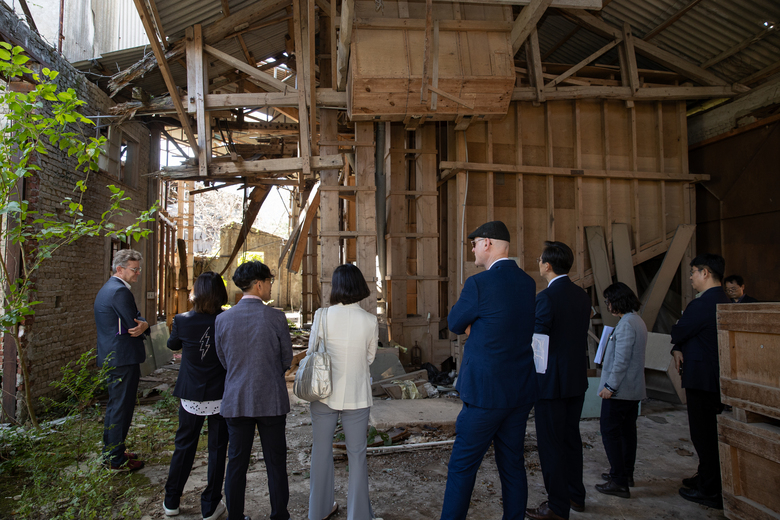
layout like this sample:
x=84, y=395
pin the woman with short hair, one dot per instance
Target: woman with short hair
x=622, y=387
x=200, y=385
x=352, y=335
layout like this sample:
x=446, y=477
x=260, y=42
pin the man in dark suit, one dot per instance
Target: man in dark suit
x=120, y=345
x=253, y=344
x=497, y=380
x=695, y=339
x=563, y=314
x=735, y=288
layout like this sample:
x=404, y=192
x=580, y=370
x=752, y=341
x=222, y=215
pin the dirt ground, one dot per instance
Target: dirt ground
x=410, y=485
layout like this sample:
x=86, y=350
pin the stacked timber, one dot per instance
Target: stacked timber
x=749, y=342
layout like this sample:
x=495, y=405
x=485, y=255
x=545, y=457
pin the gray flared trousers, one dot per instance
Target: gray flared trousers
x=321, y=495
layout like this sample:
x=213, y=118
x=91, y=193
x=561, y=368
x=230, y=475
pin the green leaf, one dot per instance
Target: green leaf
x=20, y=59
x=4, y=54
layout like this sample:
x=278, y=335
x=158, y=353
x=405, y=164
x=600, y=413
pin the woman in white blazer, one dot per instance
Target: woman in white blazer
x=622, y=386
x=351, y=341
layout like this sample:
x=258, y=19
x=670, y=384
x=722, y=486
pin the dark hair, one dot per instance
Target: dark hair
x=734, y=278
x=248, y=272
x=559, y=256
x=621, y=298
x=209, y=293
x=348, y=285
x=714, y=264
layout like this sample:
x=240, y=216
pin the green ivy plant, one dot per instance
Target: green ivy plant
x=41, y=118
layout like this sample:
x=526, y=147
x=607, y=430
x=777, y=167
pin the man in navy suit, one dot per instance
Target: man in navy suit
x=563, y=314
x=497, y=380
x=120, y=345
x=695, y=339
x=735, y=288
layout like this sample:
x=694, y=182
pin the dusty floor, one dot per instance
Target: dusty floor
x=410, y=485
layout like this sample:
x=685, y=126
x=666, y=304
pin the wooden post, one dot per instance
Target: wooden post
x=329, y=204
x=365, y=168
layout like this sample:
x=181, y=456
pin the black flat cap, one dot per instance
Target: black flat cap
x=495, y=229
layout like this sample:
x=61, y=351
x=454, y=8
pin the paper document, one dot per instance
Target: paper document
x=599, y=359
x=541, y=346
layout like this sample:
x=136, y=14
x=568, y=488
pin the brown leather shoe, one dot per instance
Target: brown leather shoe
x=543, y=512
x=580, y=508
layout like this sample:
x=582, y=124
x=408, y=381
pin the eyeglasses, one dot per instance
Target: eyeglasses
x=474, y=242
x=136, y=270
x=697, y=270
x=270, y=280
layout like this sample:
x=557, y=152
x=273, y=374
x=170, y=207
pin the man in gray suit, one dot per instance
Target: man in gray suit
x=253, y=344
x=120, y=345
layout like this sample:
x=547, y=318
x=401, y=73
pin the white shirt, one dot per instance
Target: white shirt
x=559, y=276
x=124, y=282
x=351, y=342
x=496, y=261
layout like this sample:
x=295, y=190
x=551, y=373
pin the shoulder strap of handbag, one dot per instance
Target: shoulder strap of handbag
x=324, y=325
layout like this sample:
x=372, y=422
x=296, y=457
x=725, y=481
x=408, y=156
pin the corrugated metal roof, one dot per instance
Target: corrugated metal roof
x=707, y=30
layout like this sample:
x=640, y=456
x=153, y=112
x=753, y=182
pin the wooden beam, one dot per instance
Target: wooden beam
x=660, y=56
x=197, y=79
x=669, y=21
x=427, y=45
x=761, y=74
x=166, y=74
x=418, y=24
x=345, y=40
x=602, y=276
x=653, y=297
x=451, y=97
x=621, y=252
x=301, y=231
x=263, y=77
x=435, y=78
x=266, y=168
x=582, y=63
x=750, y=40
x=240, y=39
x=325, y=98
x=624, y=93
x=28, y=15
x=301, y=56
x=526, y=22
x=450, y=168
x=254, y=12
x=309, y=76
x=158, y=22
x=534, y=60
x=631, y=68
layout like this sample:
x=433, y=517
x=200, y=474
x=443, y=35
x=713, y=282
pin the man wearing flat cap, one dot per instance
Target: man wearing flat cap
x=497, y=380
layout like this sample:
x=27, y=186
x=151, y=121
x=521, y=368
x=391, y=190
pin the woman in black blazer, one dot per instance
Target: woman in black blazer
x=200, y=385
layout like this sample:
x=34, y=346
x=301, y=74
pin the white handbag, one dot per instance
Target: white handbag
x=313, y=379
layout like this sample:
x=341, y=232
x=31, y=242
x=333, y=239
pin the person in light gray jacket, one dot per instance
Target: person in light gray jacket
x=622, y=387
x=253, y=344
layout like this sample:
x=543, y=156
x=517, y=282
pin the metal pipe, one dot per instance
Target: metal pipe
x=381, y=204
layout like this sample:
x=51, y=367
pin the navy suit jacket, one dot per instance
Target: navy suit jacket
x=498, y=362
x=696, y=336
x=563, y=313
x=115, y=302
x=253, y=344
x=201, y=376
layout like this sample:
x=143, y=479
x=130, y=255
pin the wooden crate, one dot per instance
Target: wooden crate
x=474, y=63
x=750, y=468
x=749, y=343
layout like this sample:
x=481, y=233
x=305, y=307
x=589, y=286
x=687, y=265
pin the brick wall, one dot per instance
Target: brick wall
x=63, y=326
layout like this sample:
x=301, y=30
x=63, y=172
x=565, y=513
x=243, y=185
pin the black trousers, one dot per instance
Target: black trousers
x=703, y=410
x=186, y=443
x=274, y=444
x=560, y=451
x=618, y=433
x=122, y=390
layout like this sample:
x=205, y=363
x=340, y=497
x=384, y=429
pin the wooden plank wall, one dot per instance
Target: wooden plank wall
x=601, y=135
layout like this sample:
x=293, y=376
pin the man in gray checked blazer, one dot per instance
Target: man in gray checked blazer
x=253, y=344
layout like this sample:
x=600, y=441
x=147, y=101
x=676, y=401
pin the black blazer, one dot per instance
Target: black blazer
x=563, y=313
x=696, y=336
x=115, y=302
x=201, y=376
